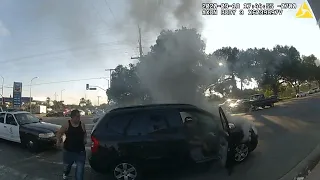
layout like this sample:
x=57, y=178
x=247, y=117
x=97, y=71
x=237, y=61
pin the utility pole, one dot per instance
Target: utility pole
x=140, y=45
x=98, y=100
x=55, y=96
x=2, y=101
x=30, y=92
x=110, y=73
x=61, y=94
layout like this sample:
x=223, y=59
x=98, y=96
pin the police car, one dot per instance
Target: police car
x=25, y=128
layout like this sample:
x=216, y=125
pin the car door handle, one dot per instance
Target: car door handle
x=5, y=126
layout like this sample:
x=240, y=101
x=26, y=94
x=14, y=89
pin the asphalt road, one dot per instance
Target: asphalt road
x=287, y=133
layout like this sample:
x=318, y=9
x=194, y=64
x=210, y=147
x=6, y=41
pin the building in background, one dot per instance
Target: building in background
x=23, y=100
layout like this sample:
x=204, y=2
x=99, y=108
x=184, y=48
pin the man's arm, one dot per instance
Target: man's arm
x=85, y=133
x=61, y=132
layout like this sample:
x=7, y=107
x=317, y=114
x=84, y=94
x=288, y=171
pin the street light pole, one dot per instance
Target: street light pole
x=2, y=89
x=61, y=94
x=98, y=100
x=30, y=92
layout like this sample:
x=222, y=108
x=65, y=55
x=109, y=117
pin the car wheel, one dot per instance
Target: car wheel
x=241, y=152
x=31, y=145
x=125, y=171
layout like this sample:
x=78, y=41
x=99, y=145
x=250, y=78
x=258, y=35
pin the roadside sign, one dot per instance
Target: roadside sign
x=17, y=89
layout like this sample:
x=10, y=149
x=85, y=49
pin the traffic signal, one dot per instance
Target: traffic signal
x=87, y=87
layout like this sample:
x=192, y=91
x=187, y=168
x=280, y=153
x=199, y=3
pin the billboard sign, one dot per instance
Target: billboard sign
x=17, y=89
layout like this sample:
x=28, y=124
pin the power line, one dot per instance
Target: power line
x=74, y=80
x=59, y=52
x=109, y=9
x=69, y=50
x=56, y=82
x=98, y=14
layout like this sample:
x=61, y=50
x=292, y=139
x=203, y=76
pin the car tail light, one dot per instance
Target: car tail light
x=94, y=145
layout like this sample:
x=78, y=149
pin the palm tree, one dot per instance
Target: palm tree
x=82, y=102
x=48, y=100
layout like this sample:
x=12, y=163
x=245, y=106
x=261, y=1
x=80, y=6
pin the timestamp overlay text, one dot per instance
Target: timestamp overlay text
x=250, y=9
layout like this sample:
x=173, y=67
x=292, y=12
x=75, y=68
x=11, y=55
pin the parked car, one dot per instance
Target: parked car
x=127, y=141
x=301, y=94
x=82, y=113
x=259, y=100
x=314, y=90
x=54, y=114
x=311, y=91
x=25, y=128
x=66, y=113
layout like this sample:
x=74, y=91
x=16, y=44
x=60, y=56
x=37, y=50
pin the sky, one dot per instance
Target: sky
x=68, y=44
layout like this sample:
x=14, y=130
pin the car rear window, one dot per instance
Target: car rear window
x=116, y=124
x=139, y=125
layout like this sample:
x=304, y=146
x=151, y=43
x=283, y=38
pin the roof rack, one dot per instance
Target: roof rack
x=150, y=106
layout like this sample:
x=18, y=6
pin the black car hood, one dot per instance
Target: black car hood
x=42, y=127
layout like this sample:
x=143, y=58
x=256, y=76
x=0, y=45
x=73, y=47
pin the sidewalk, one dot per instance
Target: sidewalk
x=315, y=173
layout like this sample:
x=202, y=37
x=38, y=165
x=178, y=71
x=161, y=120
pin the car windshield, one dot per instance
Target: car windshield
x=26, y=118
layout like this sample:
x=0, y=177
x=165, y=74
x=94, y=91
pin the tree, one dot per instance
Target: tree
x=310, y=69
x=125, y=88
x=82, y=102
x=291, y=69
x=229, y=56
x=48, y=100
x=58, y=105
x=244, y=66
x=267, y=68
x=317, y=75
x=176, y=69
x=88, y=103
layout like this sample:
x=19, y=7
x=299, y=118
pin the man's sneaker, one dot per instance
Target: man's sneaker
x=64, y=177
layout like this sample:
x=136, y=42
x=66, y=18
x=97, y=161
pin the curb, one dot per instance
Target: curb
x=303, y=168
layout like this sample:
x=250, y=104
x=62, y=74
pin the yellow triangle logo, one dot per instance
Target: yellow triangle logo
x=304, y=11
